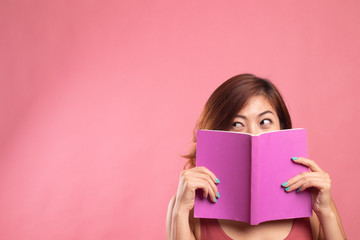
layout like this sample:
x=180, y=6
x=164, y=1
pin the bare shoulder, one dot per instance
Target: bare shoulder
x=170, y=208
x=172, y=203
x=169, y=216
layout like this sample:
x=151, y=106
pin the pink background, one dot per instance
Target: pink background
x=99, y=98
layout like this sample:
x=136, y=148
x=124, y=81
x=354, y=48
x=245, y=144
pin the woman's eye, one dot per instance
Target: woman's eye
x=238, y=124
x=265, y=122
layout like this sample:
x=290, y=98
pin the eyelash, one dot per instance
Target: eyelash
x=264, y=120
x=261, y=123
x=234, y=124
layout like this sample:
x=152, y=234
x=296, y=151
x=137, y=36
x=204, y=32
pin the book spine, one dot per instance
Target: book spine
x=255, y=175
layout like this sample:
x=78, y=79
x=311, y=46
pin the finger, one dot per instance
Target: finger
x=304, y=175
x=205, y=192
x=308, y=178
x=195, y=180
x=305, y=183
x=203, y=169
x=205, y=186
x=321, y=184
x=307, y=162
x=207, y=178
x=206, y=175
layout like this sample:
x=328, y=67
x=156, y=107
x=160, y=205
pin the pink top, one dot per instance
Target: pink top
x=210, y=229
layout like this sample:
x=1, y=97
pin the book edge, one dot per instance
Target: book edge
x=254, y=135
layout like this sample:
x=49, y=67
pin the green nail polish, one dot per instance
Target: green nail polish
x=294, y=158
x=218, y=195
x=287, y=188
x=284, y=184
x=215, y=200
x=217, y=180
x=298, y=189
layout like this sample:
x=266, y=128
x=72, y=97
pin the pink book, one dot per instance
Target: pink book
x=251, y=169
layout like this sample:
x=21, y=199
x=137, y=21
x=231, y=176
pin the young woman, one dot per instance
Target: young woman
x=247, y=103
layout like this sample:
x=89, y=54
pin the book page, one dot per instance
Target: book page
x=227, y=155
x=275, y=152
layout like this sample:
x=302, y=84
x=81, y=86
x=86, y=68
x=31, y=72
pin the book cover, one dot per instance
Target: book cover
x=251, y=169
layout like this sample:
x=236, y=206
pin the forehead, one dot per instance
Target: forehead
x=256, y=105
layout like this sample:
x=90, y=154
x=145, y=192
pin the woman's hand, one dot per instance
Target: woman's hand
x=179, y=222
x=322, y=204
x=316, y=179
x=192, y=179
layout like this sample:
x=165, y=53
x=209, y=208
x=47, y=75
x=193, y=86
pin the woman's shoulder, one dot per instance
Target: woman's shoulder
x=172, y=202
x=169, y=216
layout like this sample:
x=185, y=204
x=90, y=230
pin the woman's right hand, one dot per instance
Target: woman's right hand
x=192, y=179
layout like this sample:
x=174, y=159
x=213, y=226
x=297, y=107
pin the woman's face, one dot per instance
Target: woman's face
x=258, y=116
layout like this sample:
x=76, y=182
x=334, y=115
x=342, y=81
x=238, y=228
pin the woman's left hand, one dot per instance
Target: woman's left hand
x=316, y=179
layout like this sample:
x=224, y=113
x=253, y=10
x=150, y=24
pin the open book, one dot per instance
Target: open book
x=251, y=169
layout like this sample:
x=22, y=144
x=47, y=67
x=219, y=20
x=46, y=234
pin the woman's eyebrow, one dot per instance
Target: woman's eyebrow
x=240, y=116
x=263, y=113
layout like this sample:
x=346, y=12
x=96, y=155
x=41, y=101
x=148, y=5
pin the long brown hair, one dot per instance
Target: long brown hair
x=229, y=98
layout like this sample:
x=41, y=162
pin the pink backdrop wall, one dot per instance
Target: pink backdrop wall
x=99, y=98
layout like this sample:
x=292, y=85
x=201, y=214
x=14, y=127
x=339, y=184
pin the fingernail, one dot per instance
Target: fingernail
x=287, y=188
x=215, y=200
x=294, y=158
x=298, y=189
x=284, y=184
x=218, y=195
x=217, y=180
